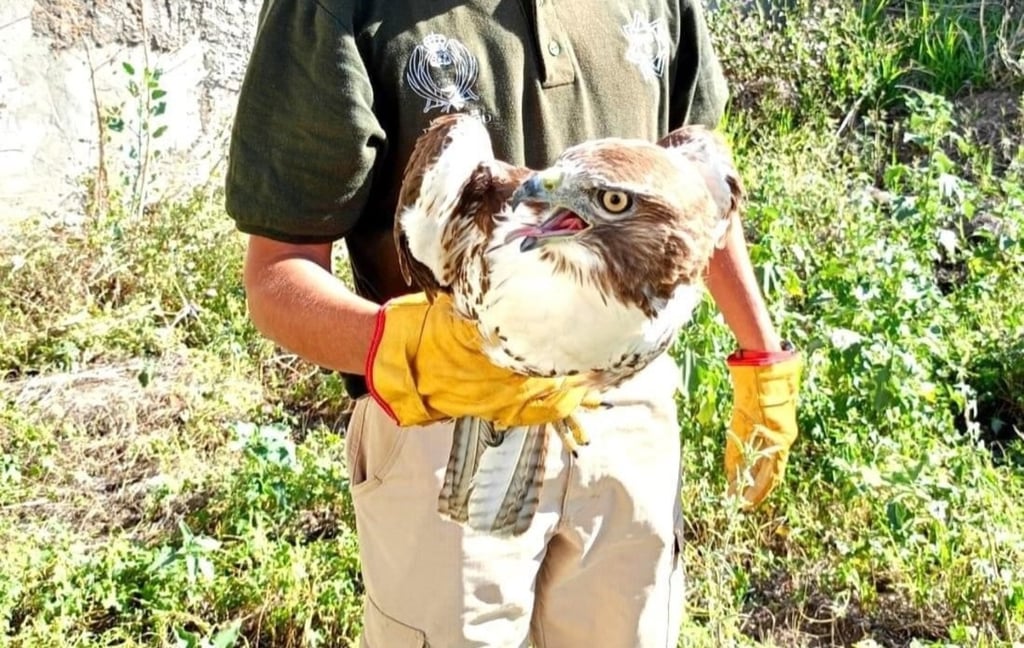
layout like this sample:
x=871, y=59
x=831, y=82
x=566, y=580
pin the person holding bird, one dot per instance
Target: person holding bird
x=335, y=96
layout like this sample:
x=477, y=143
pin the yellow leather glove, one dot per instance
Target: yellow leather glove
x=425, y=364
x=765, y=387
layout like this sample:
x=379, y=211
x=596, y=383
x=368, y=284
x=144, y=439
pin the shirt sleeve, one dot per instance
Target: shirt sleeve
x=305, y=141
x=699, y=91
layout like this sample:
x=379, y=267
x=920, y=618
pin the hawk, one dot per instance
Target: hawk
x=587, y=268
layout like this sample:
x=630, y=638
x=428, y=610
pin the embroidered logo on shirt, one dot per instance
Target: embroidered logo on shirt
x=442, y=71
x=648, y=45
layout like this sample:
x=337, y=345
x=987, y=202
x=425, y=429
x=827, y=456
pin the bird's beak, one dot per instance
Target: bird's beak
x=539, y=187
x=544, y=187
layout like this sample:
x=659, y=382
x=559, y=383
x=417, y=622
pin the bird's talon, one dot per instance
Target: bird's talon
x=572, y=435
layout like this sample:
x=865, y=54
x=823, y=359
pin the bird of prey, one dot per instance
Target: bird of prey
x=587, y=268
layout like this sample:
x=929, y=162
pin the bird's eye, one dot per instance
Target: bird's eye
x=615, y=202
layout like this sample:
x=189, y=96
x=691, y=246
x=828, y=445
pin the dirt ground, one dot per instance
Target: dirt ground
x=996, y=119
x=110, y=435
x=781, y=613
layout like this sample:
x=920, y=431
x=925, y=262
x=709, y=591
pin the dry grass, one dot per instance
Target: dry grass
x=113, y=444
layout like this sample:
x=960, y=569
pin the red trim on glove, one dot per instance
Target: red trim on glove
x=743, y=358
x=378, y=335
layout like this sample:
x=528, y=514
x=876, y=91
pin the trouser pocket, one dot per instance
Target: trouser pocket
x=355, y=462
x=372, y=445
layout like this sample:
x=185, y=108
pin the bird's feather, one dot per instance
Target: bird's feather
x=444, y=162
x=615, y=293
x=493, y=478
x=710, y=152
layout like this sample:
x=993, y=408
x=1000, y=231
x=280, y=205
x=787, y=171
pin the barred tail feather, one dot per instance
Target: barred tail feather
x=494, y=478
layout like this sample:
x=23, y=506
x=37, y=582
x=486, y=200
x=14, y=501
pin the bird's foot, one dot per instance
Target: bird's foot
x=572, y=435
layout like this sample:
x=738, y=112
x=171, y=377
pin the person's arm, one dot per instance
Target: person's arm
x=304, y=148
x=295, y=300
x=765, y=377
x=733, y=286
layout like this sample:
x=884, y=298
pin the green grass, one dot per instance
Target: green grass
x=169, y=478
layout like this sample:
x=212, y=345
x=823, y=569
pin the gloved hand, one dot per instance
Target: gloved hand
x=425, y=364
x=765, y=387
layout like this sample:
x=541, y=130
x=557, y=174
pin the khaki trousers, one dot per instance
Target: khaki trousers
x=598, y=567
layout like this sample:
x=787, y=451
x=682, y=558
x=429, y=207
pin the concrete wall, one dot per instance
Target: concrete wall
x=61, y=70
x=62, y=61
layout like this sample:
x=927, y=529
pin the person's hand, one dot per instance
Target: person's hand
x=425, y=364
x=763, y=425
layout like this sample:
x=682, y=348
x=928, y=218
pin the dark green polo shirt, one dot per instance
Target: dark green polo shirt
x=337, y=91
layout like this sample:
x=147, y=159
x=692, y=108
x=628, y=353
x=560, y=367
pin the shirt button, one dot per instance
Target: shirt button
x=554, y=48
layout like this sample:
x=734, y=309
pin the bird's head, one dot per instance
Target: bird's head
x=639, y=220
x=598, y=189
x=568, y=206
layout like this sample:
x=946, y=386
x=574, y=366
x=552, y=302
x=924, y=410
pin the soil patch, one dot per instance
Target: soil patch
x=786, y=615
x=995, y=119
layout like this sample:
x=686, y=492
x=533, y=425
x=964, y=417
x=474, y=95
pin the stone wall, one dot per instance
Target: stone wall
x=62, y=71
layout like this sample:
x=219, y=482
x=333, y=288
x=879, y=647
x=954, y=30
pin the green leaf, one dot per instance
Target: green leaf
x=185, y=639
x=165, y=557
x=707, y=411
x=160, y=131
x=205, y=566
x=897, y=516
x=128, y=67
x=227, y=637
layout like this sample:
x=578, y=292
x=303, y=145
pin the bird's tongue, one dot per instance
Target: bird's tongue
x=564, y=222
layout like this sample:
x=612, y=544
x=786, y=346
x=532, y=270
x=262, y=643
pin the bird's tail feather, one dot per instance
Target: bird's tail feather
x=494, y=478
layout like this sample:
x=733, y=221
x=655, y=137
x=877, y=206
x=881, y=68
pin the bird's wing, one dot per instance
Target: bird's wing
x=444, y=162
x=710, y=152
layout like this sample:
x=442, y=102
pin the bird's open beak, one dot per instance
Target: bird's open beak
x=543, y=188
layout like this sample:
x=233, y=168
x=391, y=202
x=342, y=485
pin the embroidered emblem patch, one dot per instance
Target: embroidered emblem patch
x=442, y=71
x=648, y=45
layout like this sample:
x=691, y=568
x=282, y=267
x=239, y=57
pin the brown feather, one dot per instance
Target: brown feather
x=681, y=199
x=469, y=227
x=694, y=138
x=428, y=148
x=666, y=241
